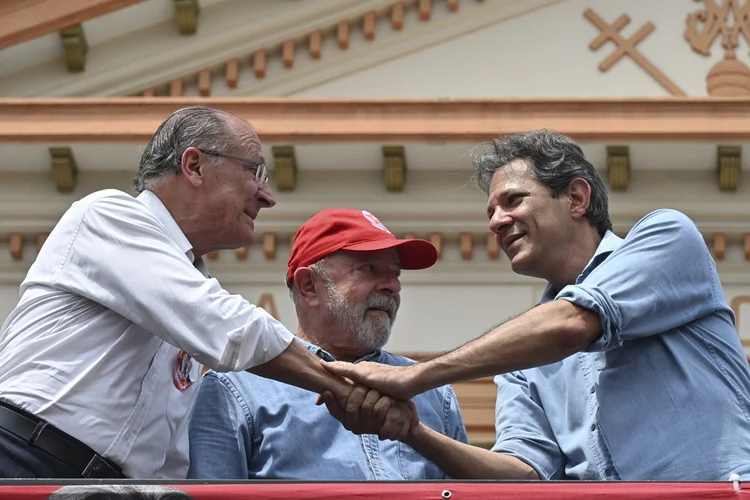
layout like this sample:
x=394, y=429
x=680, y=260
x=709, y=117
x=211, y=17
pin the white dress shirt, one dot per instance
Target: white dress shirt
x=110, y=315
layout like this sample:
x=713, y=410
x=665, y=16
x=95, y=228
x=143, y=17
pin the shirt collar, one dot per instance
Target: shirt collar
x=610, y=242
x=155, y=205
x=326, y=356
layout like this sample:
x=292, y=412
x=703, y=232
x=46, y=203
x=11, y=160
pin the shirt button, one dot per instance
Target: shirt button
x=607, y=472
x=593, y=389
x=593, y=427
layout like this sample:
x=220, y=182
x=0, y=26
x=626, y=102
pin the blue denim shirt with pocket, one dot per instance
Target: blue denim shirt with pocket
x=249, y=427
x=663, y=394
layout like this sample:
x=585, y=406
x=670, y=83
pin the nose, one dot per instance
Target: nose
x=266, y=196
x=500, y=220
x=390, y=285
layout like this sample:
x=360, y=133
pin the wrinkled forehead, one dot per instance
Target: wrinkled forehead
x=246, y=136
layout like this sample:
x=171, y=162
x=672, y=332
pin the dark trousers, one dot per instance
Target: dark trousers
x=18, y=459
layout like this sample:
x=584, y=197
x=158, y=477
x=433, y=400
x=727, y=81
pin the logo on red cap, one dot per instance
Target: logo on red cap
x=375, y=222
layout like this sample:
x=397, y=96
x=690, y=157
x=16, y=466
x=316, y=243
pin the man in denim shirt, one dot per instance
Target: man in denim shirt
x=343, y=276
x=630, y=367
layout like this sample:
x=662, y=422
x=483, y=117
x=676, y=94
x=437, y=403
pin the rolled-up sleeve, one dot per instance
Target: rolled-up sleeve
x=121, y=257
x=662, y=276
x=522, y=428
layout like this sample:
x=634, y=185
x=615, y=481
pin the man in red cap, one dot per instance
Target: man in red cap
x=343, y=277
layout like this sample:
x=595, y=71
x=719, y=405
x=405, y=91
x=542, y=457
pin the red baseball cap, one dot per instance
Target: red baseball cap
x=334, y=229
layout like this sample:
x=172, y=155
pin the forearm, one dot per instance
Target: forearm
x=299, y=367
x=542, y=335
x=463, y=461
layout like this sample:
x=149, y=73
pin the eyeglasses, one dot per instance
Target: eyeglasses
x=261, y=171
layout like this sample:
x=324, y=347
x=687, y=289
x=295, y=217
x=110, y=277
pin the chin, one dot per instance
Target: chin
x=246, y=238
x=521, y=265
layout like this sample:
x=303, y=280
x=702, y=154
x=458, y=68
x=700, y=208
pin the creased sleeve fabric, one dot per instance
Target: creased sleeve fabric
x=169, y=297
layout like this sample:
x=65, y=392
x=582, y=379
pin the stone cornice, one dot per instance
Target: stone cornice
x=328, y=120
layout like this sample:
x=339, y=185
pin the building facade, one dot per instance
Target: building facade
x=376, y=104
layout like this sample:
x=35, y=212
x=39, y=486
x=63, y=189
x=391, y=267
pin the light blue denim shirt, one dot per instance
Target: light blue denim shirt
x=663, y=394
x=249, y=427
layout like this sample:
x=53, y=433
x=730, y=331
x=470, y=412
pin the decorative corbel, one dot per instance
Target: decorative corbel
x=40, y=239
x=285, y=168
x=232, y=72
x=16, y=246
x=720, y=246
x=287, y=53
x=314, y=44
x=397, y=15
x=212, y=255
x=269, y=246
x=425, y=10
x=394, y=168
x=64, y=169
x=267, y=302
x=493, y=249
x=467, y=243
x=437, y=241
x=342, y=35
x=618, y=167
x=187, y=16
x=241, y=253
x=728, y=163
x=368, y=26
x=259, y=63
x=204, y=82
x=75, y=45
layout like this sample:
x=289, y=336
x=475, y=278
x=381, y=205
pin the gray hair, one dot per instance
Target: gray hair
x=555, y=160
x=195, y=126
x=118, y=492
x=322, y=269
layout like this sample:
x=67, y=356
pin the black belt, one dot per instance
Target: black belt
x=64, y=447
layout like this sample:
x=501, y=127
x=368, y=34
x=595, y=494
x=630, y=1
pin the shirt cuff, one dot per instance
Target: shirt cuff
x=597, y=300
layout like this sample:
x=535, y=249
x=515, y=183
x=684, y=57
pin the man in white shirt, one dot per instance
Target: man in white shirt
x=101, y=358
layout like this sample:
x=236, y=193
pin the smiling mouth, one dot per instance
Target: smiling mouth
x=509, y=240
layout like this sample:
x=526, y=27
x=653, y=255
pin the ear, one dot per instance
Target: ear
x=193, y=165
x=308, y=288
x=580, y=197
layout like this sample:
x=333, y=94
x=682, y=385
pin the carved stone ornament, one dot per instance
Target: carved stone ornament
x=730, y=20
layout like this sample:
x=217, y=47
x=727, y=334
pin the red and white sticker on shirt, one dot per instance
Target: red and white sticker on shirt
x=183, y=365
x=375, y=221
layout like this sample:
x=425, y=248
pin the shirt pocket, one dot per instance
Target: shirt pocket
x=613, y=358
x=411, y=464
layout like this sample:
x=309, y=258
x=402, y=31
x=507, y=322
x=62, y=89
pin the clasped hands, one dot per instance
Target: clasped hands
x=377, y=401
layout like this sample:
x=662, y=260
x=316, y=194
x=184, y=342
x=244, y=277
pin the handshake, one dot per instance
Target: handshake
x=373, y=399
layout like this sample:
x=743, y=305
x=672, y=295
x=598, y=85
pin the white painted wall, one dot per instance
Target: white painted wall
x=541, y=54
x=434, y=317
